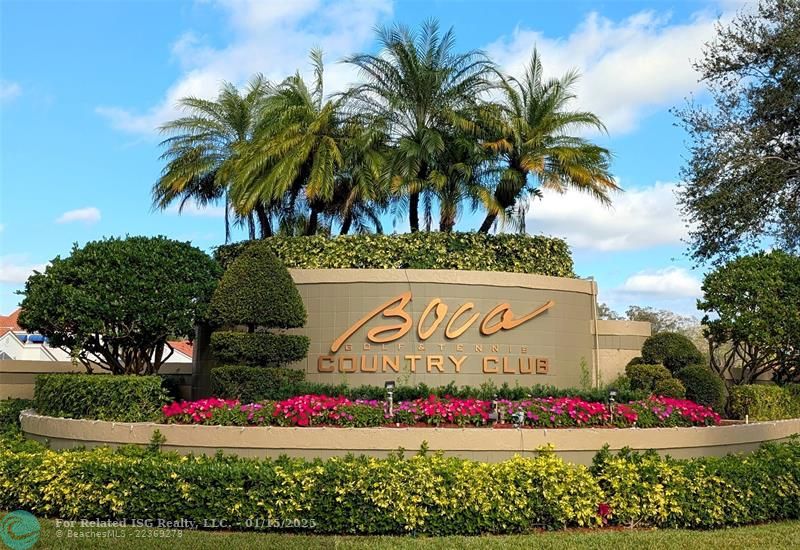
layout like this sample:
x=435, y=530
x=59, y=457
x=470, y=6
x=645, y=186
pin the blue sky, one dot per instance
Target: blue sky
x=85, y=84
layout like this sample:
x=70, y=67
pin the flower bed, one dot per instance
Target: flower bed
x=550, y=412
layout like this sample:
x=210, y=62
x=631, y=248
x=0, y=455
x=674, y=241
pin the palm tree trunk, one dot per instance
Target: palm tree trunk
x=347, y=221
x=413, y=212
x=263, y=221
x=488, y=221
x=313, y=221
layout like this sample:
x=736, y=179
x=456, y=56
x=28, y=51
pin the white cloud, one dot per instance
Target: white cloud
x=638, y=218
x=15, y=268
x=628, y=67
x=88, y=215
x=671, y=282
x=191, y=208
x=9, y=90
x=273, y=38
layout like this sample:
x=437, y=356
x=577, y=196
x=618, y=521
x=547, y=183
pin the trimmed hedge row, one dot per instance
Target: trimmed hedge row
x=765, y=402
x=462, y=251
x=258, y=349
x=251, y=384
x=425, y=494
x=100, y=396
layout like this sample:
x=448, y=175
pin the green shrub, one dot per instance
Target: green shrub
x=99, y=396
x=136, y=292
x=637, y=361
x=764, y=402
x=645, y=377
x=674, y=351
x=427, y=494
x=9, y=413
x=486, y=391
x=670, y=387
x=462, y=251
x=256, y=290
x=258, y=348
x=703, y=386
x=251, y=384
x=644, y=489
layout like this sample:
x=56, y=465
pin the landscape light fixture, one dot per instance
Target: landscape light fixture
x=389, y=386
x=612, y=398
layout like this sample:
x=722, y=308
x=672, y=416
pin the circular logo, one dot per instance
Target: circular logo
x=19, y=530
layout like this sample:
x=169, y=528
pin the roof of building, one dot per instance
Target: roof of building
x=183, y=346
x=10, y=321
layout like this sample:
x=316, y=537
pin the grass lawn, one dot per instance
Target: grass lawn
x=775, y=535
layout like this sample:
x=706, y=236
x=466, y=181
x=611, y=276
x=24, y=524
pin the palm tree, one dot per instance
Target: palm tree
x=202, y=149
x=296, y=150
x=420, y=88
x=539, y=151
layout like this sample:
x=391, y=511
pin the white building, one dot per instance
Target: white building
x=18, y=345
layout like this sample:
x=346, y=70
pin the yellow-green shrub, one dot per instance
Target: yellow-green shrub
x=425, y=494
x=764, y=402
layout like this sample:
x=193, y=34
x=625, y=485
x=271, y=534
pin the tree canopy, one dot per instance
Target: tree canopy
x=752, y=319
x=426, y=129
x=115, y=303
x=743, y=174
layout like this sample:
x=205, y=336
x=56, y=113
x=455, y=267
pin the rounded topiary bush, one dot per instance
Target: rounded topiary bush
x=646, y=377
x=674, y=351
x=703, y=386
x=671, y=387
x=257, y=290
x=258, y=349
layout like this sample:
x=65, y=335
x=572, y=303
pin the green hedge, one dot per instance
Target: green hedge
x=9, y=413
x=464, y=251
x=765, y=402
x=260, y=388
x=425, y=494
x=100, y=396
x=674, y=351
x=703, y=386
x=258, y=349
x=251, y=384
x=654, y=379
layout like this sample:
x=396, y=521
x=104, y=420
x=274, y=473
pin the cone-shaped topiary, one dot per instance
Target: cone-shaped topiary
x=257, y=291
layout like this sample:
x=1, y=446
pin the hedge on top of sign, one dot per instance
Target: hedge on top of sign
x=458, y=251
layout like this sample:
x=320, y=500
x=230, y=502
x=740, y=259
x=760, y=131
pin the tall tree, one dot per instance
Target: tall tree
x=743, y=176
x=297, y=149
x=537, y=144
x=202, y=148
x=421, y=87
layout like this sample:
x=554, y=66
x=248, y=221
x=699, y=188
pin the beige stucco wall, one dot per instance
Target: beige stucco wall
x=486, y=444
x=336, y=299
x=17, y=378
x=564, y=335
x=618, y=343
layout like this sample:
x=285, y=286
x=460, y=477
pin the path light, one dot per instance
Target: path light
x=389, y=386
x=518, y=418
x=612, y=398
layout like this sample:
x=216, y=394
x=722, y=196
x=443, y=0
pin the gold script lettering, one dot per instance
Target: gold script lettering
x=393, y=308
x=507, y=320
